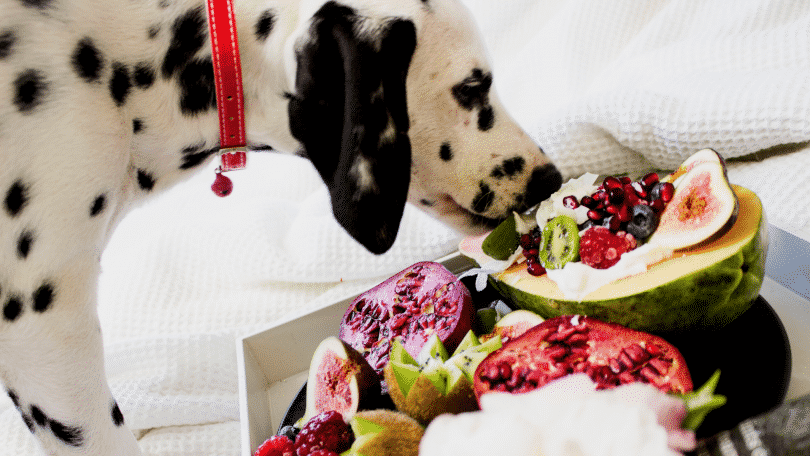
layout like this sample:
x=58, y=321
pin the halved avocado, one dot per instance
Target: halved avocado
x=701, y=287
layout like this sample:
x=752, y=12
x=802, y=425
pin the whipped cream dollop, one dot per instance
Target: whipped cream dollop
x=567, y=417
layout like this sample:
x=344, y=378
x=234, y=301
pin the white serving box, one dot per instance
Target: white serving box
x=273, y=363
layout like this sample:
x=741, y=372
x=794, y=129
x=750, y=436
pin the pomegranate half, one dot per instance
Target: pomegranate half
x=610, y=354
x=421, y=300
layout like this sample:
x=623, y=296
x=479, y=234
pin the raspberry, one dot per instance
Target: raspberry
x=600, y=248
x=323, y=453
x=324, y=431
x=278, y=445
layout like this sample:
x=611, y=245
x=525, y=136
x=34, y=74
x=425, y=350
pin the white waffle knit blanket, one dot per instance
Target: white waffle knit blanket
x=603, y=86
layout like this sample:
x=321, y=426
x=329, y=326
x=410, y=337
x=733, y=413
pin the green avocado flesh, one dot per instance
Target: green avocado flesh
x=702, y=287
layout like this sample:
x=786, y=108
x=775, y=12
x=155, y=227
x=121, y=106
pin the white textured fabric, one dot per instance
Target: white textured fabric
x=603, y=86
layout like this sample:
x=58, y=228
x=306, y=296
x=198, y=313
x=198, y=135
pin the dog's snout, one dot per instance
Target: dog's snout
x=544, y=181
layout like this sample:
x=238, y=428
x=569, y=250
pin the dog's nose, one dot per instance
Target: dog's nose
x=544, y=181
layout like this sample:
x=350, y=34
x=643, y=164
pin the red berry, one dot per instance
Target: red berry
x=324, y=431
x=278, y=445
x=570, y=202
x=323, y=453
x=600, y=248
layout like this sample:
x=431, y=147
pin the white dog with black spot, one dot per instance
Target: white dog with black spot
x=104, y=102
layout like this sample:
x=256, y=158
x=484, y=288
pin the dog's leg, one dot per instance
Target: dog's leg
x=53, y=365
x=62, y=187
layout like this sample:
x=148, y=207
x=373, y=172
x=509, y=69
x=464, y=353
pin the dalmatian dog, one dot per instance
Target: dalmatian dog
x=106, y=102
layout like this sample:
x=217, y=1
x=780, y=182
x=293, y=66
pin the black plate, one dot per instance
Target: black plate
x=752, y=353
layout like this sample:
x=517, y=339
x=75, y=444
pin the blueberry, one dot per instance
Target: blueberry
x=290, y=431
x=643, y=222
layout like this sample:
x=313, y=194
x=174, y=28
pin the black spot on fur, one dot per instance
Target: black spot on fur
x=486, y=118
x=445, y=152
x=71, y=435
x=87, y=61
x=98, y=205
x=12, y=308
x=144, y=75
x=120, y=83
x=189, y=33
x=38, y=4
x=24, y=243
x=153, y=31
x=29, y=422
x=264, y=26
x=484, y=199
x=7, y=40
x=473, y=92
x=16, y=198
x=511, y=166
x=195, y=155
x=30, y=89
x=197, y=87
x=15, y=399
x=145, y=180
x=426, y=202
x=137, y=125
x=164, y=3
x=260, y=147
x=38, y=415
x=43, y=297
x=117, y=416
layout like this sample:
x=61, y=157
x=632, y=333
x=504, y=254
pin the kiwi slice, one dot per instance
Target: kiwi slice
x=502, y=242
x=559, y=243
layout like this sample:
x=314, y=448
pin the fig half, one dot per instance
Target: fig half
x=703, y=205
x=340, y=380
x=414, y=304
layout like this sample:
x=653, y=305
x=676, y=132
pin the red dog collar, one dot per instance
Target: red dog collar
x=230, y=100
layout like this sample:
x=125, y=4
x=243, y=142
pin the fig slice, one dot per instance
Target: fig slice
x=610, y=354
x=703, y=205
x=340, y=380
x=414, y=304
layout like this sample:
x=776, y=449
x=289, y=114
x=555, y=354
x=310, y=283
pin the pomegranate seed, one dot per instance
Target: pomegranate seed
x=625, y=214
x=615, y=367
x=594, y=215
x=534, y=267
x=649, y=180
x=649, y=374
x=658, y=205
x=611, y=182
x=625, y=179
x=600, y=195
x=667, y=191
x=526, y=241
x=612, y=209
x=640, y=191
x=615, y=225
x=616, y=195
x=588, y=202
x=661, y=366
x=570, y=202
x=653, y=350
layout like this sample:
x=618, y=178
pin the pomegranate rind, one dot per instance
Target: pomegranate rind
x=702, y=287
x=605, y=341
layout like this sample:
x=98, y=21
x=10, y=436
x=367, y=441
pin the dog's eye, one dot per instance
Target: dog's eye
x=473, y=90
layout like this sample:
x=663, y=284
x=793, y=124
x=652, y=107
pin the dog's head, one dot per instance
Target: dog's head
x=395, y=105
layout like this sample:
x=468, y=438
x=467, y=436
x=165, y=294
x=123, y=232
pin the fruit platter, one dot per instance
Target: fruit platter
x=652, y=282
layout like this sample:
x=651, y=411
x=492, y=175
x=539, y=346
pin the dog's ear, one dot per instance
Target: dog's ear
x=349, y=112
